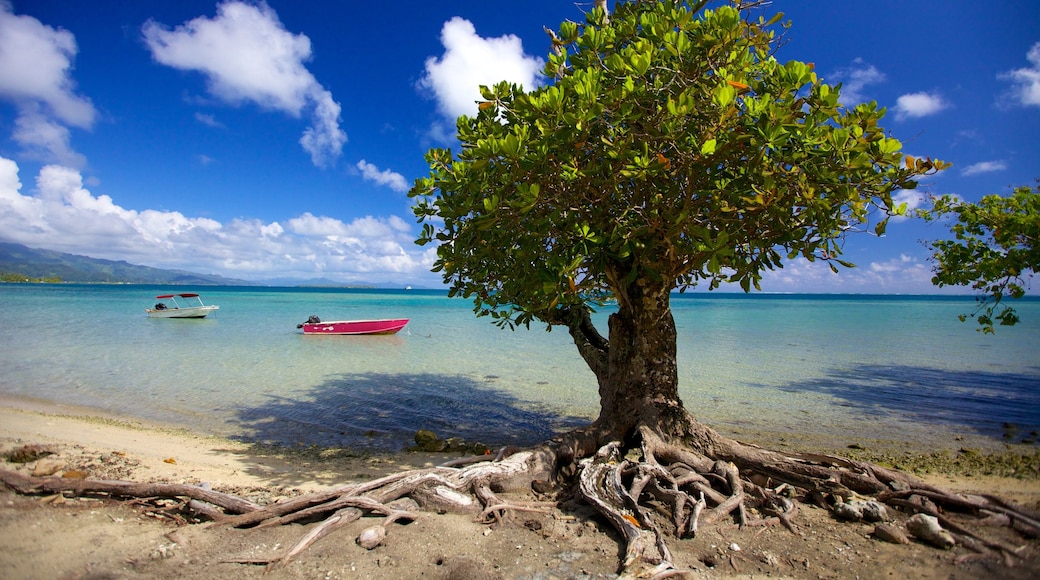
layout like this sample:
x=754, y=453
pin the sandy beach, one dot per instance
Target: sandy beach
x=91, y=537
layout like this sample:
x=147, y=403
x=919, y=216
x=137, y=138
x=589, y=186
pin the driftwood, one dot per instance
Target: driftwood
x=649, y=489
x=33, y=485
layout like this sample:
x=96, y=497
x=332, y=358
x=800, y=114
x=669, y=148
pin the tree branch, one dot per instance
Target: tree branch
x=592, y=345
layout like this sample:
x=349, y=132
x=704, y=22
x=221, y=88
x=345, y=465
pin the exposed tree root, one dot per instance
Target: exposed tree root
x=32, y=485
x=648, y=489
x=732, y=470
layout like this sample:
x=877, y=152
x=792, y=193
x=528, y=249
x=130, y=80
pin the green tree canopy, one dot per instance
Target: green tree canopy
x=671, y=148
x=994, y=249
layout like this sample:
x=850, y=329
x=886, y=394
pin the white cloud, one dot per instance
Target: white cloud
x=244, y=52
x=901, y=275
x=324, y=140
x=914, y=105
x=45, y=140
x=208, y=120
x=1026, y=81
x=394, y=181
x=62, y=215
x=247, y=55
x=855, y=79
x=9, y=182
x=311, y=225
x=470, y=61
x=911, y=197
x=984, y=167
x=37, y=61
x=893, y=265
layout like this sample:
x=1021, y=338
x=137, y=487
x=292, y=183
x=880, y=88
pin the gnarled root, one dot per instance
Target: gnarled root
x=658, y=486
x=728, y=478
x=30, y=485
x=466, y=490
x=615, y=486
x=646, y=555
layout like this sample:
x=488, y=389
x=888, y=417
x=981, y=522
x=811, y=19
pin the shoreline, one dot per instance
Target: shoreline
x=775, y=438
x=256, y=464
x=172, y=453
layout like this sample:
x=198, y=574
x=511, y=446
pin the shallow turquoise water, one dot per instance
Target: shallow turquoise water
x=859, y=366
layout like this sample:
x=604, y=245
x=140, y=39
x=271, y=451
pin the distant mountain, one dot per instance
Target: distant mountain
x=315, y=282
x=327, y=283
x=19, y=259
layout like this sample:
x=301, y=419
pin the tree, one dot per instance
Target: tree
x=671, y=149
x=994, y=250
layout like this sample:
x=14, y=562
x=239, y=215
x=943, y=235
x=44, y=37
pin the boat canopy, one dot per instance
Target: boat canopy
x=189, y=295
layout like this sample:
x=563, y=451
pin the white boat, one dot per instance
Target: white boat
x=192, y=306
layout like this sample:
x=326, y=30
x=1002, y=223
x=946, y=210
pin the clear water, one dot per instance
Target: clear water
x=877, y=367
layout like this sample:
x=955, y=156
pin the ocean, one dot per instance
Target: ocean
x=853, y=367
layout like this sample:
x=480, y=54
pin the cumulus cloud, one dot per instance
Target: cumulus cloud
x=914, y=105
x=324, y=139
x=247, y=56
x=903, y=270
x=391, y=179
x=37, y=62
x=62, y=215
x=46, y=140
x=855, y=79
x=316, y=226
x=984, y=167
x=900, y=275
x=911, y=197
x=1026, y=81
x=470, y=61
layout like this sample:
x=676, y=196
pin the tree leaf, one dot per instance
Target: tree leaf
x=741, y=87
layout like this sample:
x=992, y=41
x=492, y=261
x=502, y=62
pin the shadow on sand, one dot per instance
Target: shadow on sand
x=381, y=413
x=359, y=415
x=994, y=404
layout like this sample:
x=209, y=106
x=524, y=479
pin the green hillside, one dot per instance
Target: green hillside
x=25, y=262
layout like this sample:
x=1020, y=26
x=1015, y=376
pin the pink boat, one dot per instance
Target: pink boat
x=314, y=325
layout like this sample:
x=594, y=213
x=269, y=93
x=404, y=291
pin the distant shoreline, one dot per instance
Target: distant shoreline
x=691, y=294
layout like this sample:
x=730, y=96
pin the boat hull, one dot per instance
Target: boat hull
x=385, y=326
x=186, y=312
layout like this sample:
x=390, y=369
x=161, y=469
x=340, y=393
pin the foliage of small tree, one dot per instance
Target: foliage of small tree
x=994, y=250
x=671, y=148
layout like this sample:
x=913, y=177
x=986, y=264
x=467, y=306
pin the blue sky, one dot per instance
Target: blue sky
x=279, y=139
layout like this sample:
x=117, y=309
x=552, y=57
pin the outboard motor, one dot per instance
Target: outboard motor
x=312, y=320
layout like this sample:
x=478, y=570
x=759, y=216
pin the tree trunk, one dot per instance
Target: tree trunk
x=641, y=384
